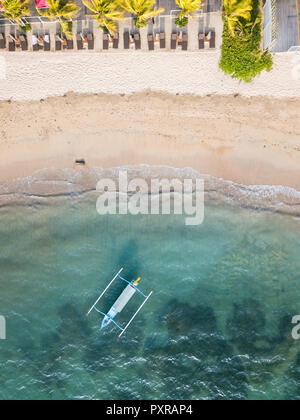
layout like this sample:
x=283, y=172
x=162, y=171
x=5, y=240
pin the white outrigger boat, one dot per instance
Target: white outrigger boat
x=120, y=303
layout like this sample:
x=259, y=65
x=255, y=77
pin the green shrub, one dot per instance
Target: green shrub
x=182, y=22
x=242, y=57
x=26, y=27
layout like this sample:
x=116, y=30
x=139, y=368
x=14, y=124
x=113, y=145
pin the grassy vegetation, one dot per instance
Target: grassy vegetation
x=242, y=56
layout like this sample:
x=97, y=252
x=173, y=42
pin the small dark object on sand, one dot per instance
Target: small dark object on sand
x=80, y=161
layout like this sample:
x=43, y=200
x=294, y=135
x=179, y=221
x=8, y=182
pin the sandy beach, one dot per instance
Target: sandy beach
x=253, y=141
x=31, y=76
x=198, y=117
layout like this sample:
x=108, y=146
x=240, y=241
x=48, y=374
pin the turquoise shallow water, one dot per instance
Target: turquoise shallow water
x=218, y=325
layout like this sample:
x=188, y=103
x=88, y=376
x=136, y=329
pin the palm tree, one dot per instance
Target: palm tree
x=14, y=10
x=234, y=10
x=144, y=10
x=106, y=12
x=63, y=11
x=188, y=8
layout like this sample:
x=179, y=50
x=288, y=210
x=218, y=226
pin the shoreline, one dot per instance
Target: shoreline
x=250, y=141
x=49, y=186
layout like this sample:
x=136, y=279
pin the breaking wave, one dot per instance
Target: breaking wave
x=46, y=185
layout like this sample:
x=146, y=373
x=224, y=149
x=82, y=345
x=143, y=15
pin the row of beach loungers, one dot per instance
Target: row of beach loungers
x=42, y=42
x=14, y=42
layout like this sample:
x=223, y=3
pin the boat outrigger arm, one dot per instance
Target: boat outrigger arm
x=120, y=303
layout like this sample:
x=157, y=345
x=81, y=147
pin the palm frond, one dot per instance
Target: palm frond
x=63, y=11
x=234, y=10
x=189, y=7
x=143, y=10
x=106, y=12
x=14, y=10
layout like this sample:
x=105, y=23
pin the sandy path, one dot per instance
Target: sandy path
x=31, y=76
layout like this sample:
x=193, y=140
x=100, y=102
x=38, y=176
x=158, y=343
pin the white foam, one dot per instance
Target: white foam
x=52, y=183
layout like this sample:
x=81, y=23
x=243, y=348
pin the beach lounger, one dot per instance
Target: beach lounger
x=126, y=40
x=137, y=41
x=105, y=41
x=184, y=42
x=90, y=39
x=2, y=41
x=46, y=42
x=35, y=43
x=79, y=42
x=58, y=42
x=11, y=45
x=201, y=38
x=70, y=44
x=116, y=40
x=23, y=42
x=173, y=41
x=162, y=40
x=179, y=39
x=212, y=41
x=150, y=42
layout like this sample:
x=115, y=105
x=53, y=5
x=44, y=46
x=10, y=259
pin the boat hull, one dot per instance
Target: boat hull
x=119, y=305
